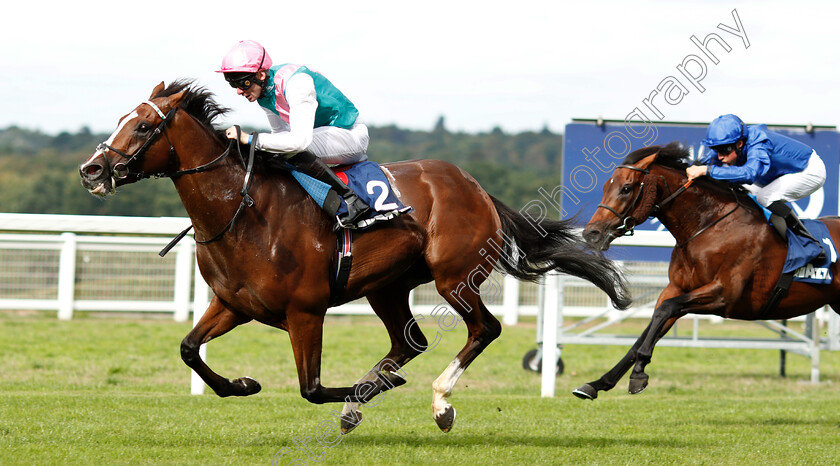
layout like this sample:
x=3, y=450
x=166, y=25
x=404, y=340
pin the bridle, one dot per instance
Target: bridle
x=628, y=222
x=122, y=170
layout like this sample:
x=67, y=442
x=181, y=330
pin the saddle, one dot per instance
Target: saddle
x=809, y=257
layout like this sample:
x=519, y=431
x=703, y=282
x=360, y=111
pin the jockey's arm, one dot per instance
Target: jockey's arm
x=300, y=94
x=756, y=165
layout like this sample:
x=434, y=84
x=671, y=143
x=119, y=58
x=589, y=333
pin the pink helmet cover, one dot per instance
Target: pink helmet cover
x=246, y=56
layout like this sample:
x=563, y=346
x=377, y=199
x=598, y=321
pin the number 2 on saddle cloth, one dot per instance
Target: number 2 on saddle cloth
x=369, y=183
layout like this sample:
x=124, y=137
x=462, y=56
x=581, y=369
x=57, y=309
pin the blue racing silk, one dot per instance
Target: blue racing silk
x=766, y=156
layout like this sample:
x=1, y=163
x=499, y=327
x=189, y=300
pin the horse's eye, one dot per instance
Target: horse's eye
x=626, y=189
x=143, y=128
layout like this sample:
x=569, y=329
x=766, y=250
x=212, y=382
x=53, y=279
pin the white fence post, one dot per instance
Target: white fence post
x=200, y=303
x=833, y=330
x=553, y=302
x=67, y=276
x=511, y=301
x=815, y=347
x=183, y=279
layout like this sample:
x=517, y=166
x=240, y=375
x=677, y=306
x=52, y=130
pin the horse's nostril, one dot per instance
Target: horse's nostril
x=93, y=170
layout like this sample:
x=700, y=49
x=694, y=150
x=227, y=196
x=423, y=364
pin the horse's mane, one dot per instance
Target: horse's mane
x=673, y=155
x=198, y=102
x=676, y=156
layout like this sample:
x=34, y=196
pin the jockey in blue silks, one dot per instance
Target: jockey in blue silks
x=775, y=168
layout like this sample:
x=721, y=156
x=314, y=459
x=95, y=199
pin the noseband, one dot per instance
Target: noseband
x=121, y=170
x=628, y=223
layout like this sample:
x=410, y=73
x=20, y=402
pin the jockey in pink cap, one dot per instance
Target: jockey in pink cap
x=312, y=122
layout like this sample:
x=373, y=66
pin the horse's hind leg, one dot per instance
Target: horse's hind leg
x=216, y=321
x=482, y=328
x=407, y=341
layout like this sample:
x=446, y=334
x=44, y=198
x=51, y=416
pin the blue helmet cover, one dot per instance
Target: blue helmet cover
x=725, y=129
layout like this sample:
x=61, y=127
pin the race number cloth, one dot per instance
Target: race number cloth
x=368, y=181
x=802, y=250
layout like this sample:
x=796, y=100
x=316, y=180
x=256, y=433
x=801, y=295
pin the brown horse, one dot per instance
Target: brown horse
x=272, y=262
x=727, y=261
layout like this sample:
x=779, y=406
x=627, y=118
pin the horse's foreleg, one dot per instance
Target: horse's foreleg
x=608, y=381
x=638, y=378
x=407, y=341
x=306, y=334
x=705, y=299
x=216, y=321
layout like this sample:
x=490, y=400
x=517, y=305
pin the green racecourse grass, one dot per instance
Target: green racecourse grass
x=114, y=391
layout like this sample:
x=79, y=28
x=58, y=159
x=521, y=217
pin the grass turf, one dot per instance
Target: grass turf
x=97, y=390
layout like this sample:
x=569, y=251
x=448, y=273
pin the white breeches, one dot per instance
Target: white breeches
x=793, y=186
x=339, y=146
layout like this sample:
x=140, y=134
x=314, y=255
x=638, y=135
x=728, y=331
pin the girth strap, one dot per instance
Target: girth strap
x=344, y=262
x=779, y=292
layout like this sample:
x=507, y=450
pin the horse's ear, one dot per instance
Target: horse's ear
x=645, y=162
x=173, y=100
x=157, y=90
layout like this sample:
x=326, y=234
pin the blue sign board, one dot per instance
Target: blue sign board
x=592, y=150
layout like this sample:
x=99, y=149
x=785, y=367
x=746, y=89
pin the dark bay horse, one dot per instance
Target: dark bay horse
x=273, y=264
x=726, y=263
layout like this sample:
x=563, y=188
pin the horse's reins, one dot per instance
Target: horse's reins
x=247, y=200
x=122, y=170
x=625, y=217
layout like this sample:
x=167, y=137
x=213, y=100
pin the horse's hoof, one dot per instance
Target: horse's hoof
x=586, y=392
x=392, y=379
x=446, y=419
x=245, y=386
x=349, y=421
x=638, y=385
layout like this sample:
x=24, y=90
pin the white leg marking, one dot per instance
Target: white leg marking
x=443, y=385
x=351, y=407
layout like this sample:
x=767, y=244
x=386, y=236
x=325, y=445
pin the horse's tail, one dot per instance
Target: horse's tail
x=529, y=251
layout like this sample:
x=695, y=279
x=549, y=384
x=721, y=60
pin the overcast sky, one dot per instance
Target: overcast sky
x=519, y=65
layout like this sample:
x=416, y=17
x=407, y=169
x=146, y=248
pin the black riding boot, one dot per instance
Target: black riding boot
x=316, y=168
x=793, y=222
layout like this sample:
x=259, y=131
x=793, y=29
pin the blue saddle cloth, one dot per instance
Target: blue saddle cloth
x=368, y=181
x=802, y=251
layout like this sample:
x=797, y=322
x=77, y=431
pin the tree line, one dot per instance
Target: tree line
x=39, y=172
